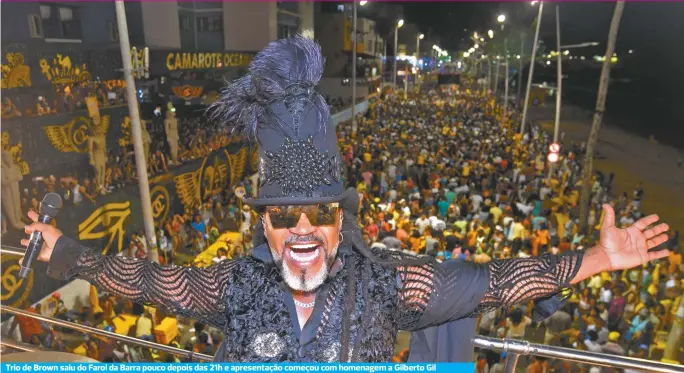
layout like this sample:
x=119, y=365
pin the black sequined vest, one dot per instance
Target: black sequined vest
x=260, y=328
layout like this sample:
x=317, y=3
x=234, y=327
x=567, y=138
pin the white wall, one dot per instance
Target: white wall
x=249, y=26
x=161, y=26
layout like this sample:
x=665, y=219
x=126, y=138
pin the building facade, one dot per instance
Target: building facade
x=52, y=50
x=334, y=32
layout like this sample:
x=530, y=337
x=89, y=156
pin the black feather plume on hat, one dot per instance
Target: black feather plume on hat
x=273, y=74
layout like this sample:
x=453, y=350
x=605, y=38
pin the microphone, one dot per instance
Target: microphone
x=49, y=207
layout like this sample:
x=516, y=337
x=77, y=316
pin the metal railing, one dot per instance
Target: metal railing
x=25, y=347
x=124, y=338
x=515, y=348
x=19, y=251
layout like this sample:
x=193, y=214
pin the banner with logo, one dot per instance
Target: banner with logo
x=108, y=223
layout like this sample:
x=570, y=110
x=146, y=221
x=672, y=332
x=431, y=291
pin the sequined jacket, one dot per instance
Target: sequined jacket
x=247, y=299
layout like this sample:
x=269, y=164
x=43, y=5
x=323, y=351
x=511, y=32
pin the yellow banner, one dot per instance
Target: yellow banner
x=347, y=38
x=197, y=61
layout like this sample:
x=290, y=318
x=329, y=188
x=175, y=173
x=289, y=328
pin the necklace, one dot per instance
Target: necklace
x=304, y=305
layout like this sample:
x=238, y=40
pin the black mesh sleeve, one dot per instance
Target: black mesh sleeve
x=193, y=292
x=436, y=293
x=515, y=281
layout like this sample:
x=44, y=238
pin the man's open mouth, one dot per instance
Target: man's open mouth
x=304, y=253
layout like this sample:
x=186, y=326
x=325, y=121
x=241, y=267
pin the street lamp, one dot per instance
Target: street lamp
x=501, y=18
x=476, y=46
x=418, y=39
x=531, y=71
x=355, y=35
x=396, y=41
x=491, y=34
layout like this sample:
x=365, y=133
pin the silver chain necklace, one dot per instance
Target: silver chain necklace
x=304, y=305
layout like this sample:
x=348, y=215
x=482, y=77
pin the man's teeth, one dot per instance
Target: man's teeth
x=304, y=247
x=304, y=257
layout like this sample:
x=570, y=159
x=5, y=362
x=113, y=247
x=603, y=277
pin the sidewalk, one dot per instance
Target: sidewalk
x=633, y=159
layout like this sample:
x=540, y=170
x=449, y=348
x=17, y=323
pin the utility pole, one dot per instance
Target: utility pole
x=394, y=65
x=559, y=83
x=531, y=72
x=505, y=106
x=520, y=67
x=355, y=34
x=141, y=166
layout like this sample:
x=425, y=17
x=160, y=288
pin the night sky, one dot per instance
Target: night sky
x=653, y=30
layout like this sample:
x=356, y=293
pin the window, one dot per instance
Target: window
x=340, y=8
x=210, y=24
x=283, y=32
x=113, y=32
x=45, y=11
x=66, y=14
x=286, y=31
x=35, y=26
x=184, y=22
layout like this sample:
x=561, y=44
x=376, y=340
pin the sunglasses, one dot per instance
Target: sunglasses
x=288, y=216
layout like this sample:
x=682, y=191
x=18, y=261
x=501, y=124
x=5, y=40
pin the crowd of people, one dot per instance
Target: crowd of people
x=62, y=98
x=443, y=172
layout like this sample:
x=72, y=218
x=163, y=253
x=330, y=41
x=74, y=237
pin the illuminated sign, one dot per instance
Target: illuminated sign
x=198, y=61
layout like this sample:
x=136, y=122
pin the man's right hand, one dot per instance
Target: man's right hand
x=50, y=236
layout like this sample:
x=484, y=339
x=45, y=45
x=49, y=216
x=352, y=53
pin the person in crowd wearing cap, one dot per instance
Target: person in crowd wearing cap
x=312, y=290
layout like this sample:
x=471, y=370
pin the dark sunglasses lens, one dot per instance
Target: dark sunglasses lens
x=288, y=216
x=280, y=217
x=326, y=214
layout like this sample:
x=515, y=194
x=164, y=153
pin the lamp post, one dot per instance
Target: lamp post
x=141, y=165
x=531, y=72
x=501, y=19
x=354, y=37
x=396, y=41
x=559, y=82
x=418, y=39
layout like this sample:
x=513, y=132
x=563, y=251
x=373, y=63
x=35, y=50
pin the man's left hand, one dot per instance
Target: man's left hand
x=629, y=247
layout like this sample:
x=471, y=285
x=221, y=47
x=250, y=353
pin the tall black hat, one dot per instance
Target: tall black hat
x=276, y=105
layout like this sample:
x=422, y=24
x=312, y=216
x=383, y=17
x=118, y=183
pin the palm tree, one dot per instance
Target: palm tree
x=587, y=171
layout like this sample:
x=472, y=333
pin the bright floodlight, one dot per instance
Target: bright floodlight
x=548, y=62
x=421, y=36
x=501, y=18
x=475, y=34
x=471, y=50
x=435, y=47
x=400, y=23
x=476, y=46
x=482, y=40
x=534, y=3
x=631, y=51
x=566, y=52
x=491, y=34
x=362, y=3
